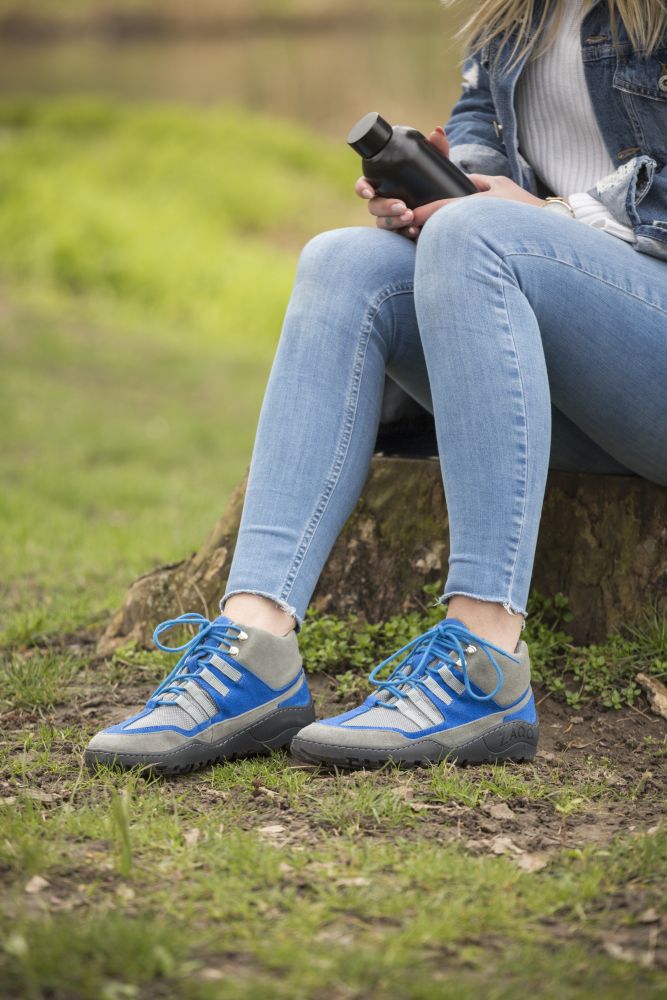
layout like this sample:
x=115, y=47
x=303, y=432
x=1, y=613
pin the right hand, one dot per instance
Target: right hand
x=391, y=213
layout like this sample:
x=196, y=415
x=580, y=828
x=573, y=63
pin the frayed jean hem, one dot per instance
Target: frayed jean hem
x=508, y=606
x=282, y=605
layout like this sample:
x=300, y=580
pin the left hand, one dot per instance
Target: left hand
x=488, y=187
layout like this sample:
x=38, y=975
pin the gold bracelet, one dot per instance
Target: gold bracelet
x=560, y=201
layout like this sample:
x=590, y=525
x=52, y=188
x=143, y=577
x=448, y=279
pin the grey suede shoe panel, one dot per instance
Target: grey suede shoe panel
x=380, y=739
x=275, y=659
x=168, y=739
x=387, y=739
x=461, y=734
x=219, y=730
x=158, y=742
x=516, y=676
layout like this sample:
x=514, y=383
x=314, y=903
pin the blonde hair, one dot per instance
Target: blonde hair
x=645, y=22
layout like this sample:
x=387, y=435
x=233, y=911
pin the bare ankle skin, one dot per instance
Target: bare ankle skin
x=251, y=609
x=487, y=620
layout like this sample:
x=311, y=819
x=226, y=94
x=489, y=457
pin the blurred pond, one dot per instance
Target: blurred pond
x=324, y=80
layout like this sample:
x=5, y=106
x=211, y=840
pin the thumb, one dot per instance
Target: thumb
x=439, y=140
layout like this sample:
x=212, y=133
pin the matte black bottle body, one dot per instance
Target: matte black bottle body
x=409, y=167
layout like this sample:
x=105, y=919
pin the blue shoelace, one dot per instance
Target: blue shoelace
x=449, y=635
x=206, y=643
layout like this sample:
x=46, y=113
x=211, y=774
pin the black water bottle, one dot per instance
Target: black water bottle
x=400, y=162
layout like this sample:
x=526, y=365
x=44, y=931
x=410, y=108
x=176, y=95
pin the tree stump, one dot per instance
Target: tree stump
x=602, y=543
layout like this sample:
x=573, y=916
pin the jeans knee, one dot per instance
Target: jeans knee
x=330, y=250
x=360, y=255
x=468, y=225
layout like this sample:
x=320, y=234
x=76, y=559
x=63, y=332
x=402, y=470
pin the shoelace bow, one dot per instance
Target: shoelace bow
x=196, y=650
x=449, y=635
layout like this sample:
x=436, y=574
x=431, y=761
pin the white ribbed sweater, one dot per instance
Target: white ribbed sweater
x=558, y=132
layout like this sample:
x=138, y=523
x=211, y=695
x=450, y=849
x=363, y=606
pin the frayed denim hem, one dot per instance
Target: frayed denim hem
x=283, y=605
x=509, y=608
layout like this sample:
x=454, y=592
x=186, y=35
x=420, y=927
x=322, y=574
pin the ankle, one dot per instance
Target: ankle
x=488, y=620
x=260, y=612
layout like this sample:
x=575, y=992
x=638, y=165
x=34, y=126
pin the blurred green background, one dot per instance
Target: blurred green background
x=160, y=167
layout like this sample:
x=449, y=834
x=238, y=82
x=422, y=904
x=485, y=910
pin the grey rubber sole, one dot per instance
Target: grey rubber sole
x=273, y=732
x=515, y=741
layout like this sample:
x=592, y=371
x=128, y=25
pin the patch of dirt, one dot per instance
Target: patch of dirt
x=617, y=758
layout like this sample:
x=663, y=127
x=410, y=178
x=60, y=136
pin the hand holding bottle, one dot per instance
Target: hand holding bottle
x=391, y=213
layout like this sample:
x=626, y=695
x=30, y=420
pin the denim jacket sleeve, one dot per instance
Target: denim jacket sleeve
x=636, y=195
x=472, y=129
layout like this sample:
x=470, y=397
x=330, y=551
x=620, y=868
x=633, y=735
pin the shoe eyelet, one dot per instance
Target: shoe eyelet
x=242, y=635
x=233, y=650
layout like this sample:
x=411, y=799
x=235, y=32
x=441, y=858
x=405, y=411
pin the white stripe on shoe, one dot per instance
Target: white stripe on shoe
x=438, y=691
x=426, y=707
x=214, y=681
x=449, y=678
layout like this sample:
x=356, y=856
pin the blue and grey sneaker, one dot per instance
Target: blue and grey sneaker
x=236, y=690
x=449, y=697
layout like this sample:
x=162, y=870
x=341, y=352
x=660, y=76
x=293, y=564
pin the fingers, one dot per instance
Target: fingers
x=364, y=189
x=439, y=140
x=483, y=182
x=390, y=213
x=425, y=212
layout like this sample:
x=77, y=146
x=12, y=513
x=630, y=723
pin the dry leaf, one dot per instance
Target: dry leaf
x=656, y=693
x=36, y=884
x=624, y=954
x=40, y=796
x=271, y=829
x=211, y=975
x=501, y=811
x=533, y=862
x=191, y=837
x=650, y=916
x=503, y=845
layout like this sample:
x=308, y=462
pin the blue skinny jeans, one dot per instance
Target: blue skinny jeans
x=533, y=339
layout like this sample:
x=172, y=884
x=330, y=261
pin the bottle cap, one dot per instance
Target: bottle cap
x=370, y=134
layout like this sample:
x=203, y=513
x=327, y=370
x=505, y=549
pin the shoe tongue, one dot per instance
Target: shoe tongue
x=453, y=652
x=415, y=658
x=191, y=665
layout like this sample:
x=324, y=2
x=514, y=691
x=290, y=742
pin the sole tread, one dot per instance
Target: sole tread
x=275, y=732
x=513, y=742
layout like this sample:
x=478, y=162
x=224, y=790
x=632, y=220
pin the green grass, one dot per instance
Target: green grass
x=165, y=218
x=148, y=256
x=342, y=894
x=232, y=9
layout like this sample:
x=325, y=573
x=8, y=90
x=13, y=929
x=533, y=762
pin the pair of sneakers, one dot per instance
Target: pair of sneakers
x=239, y=690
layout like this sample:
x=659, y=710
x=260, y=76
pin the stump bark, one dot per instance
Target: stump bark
x=602, y=542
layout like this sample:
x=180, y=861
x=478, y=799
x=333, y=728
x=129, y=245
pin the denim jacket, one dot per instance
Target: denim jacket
x=629, y=96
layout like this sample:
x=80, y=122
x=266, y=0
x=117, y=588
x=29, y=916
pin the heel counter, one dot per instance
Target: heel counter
x=301, y=696
x=527, y=712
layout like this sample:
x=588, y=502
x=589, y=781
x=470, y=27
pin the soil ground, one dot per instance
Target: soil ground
x=588, y=810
